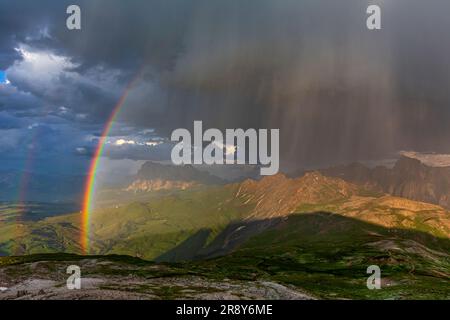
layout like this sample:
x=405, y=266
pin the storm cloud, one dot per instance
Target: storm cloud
x=337, y=91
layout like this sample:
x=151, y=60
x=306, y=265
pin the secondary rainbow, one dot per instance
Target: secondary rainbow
x=23, y=186
x=90, y=181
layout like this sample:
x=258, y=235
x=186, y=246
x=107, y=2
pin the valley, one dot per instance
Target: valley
x=315, y=235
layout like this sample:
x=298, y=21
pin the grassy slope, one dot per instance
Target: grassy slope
x=150, y=229
x=145, y=229
x=324, y=254
x=388, y=211
x=328, y=255
x=57, y=234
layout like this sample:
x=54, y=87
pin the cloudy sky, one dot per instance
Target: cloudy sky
x=337, y=91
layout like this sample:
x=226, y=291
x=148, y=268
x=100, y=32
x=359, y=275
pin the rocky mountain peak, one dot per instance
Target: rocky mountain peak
x=154, y=176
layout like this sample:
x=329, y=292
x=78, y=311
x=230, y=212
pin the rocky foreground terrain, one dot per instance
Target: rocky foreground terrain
x=111, y=279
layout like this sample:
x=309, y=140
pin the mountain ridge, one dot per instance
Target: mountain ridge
x=153, y=176
x=409, y=178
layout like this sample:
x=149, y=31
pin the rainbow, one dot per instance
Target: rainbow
x=23, y=187
x=90, y=184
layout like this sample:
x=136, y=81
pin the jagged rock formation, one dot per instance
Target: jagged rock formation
x=279, y=195
x=155, y=176
x=409, y=178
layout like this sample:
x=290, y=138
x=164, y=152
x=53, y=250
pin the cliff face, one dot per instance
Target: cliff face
x=277, y=196
x=158, y=184
x=154, y=176
x=409, y=178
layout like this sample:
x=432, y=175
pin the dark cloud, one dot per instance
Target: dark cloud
x=159, y=152
x=15, y=100
x=337, y=91
x=8, y=121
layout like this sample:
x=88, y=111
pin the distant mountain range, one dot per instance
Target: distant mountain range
x=409, y=178
x=153, y=176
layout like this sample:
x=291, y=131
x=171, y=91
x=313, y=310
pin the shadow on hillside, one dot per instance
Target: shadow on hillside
x=294, y=230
